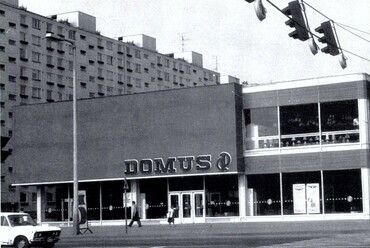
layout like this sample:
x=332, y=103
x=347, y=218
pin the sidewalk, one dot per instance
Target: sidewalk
x=351, y=233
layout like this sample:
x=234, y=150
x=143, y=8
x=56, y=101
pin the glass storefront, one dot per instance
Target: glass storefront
x=299, y=125
x=302, y=193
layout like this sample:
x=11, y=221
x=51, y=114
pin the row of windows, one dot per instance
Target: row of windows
x=301, y=125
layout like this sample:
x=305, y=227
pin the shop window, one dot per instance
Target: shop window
x=23, y=197
x=302, y=193
x=265, y=190
x=339, y=122
x=343, y=191
x=299, y=125
x=222, y=197
x=155, y=191
x=262, y=128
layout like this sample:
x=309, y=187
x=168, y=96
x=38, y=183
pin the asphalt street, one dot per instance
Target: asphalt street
x=270, y=234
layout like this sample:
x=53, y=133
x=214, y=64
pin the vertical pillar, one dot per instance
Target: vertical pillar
x=40, y=195
x=363, y=116
x=100, y=204
x=242, y=188
x=135, y=194
x=365, y=175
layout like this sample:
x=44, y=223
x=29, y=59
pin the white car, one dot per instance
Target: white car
x=20, y=230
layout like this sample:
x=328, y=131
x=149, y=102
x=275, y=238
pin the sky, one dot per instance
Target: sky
x=229, y=34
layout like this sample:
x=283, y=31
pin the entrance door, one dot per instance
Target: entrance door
x=189, y=206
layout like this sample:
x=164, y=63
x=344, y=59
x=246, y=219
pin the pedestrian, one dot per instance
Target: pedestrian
x=170, y=217
x=135, y=215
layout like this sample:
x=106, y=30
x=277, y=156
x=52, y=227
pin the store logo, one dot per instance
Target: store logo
x=224, y=161
x=174, y=164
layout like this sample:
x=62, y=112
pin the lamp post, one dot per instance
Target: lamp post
x=76, y=226
x=125, y=188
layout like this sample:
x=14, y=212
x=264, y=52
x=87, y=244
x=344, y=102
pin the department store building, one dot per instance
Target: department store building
x=286, y=151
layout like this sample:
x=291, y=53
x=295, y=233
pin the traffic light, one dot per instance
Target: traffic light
x=328, y=38
x=259, y=8
x=297, y=21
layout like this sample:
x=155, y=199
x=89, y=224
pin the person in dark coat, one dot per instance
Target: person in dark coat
x=135, y=215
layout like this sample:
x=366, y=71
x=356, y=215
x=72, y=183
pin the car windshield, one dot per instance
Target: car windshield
x=21, y=220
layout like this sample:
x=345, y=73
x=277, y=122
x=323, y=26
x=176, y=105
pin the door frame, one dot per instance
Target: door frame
x=193, y=194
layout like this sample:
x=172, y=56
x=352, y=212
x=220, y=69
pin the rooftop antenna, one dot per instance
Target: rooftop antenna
x=182, y=42
x=216, y=68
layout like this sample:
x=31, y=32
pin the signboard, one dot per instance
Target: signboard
x=82, y=208
x=299, y=198
x=128, y=200
x=313, y=198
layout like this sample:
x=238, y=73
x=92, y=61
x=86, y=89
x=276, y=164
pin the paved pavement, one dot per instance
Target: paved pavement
x=351, y=233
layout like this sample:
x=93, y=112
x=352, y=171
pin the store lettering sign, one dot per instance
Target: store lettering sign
x=173, y=165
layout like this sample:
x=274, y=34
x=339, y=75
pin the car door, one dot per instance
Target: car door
x=4, y=230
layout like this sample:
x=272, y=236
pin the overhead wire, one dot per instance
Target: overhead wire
x=318, y=37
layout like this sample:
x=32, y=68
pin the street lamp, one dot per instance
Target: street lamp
x=76, y=226
x=125, y=188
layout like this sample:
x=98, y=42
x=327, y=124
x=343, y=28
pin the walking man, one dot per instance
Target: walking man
x=135, y=215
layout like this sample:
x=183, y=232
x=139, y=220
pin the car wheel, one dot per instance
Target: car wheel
x=21, y=242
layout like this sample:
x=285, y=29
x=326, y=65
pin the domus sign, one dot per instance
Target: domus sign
x=180, y=164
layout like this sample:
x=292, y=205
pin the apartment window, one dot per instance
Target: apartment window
x=23, y=37
x=60, y=96
x=109, y=60
x=23, y=90
x=146, y=56
x=60, y=62
x=91, y=95
x=166, y=76
x=100, y=43
x=167, y=63
x=36, y=57
x=159, y=73
x=72, y=35
x=152, y=65
x=2, y=86
x=91, y=79
x=174, y=65
x=23, y=54
x=120, y=63
x=109, y=90
x=60, y=79
x=2, y=31
x=49, y=28
x=110, y=75
x=36, y=40
x=138, y=83
x=23, y=73
x=49, y=77
x=12, y=42
x=83, y=52
x=49, y=95
x=36, y=23
x=2, y=12
x=137, y=54
x=60, y=47
x=120, y=91
x=82, y=67
x=12, y=79
x=82, y=37
x=23, y=20
x=60, y=31
x=128, y=79
x=70, y=65
x=180, y=67
x=119, y=49
x=49, y=60
x=12, y=25
x=36, y=75
x=174, y=78
x=2, y=49
x=100, y=57
x=120, y=77
x=159, y=61
x=187, y=69
x=128, y=52
x=100, y=88
x=36, y=92
x=100, y=73
x=12, y=60
x=110, y=45
x=138, y=68
x=2, y=67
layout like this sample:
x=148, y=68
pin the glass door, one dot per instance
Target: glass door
x=198, y=207
x=188, y=206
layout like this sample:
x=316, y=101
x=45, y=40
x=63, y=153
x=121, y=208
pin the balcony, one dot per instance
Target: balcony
x=23, y=95
x=25, y=25
x=100, y=77
x=100, y=62
x=50, y=65
x=61, y=67
x=175, y=69
x=129, y=70
x=51, y=83
x=49, y=48
x=61, y=85
x=24, y=42
x=120, y=67
x=23, y=59
x=120, y=82
x=24, y=77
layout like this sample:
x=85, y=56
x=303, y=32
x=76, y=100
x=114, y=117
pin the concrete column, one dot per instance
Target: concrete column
x=135, y=195
x=363, y=116
x=242, y=188
x=40, y=195
x=365, y=175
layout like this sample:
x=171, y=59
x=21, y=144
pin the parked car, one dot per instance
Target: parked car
x=20, y=230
